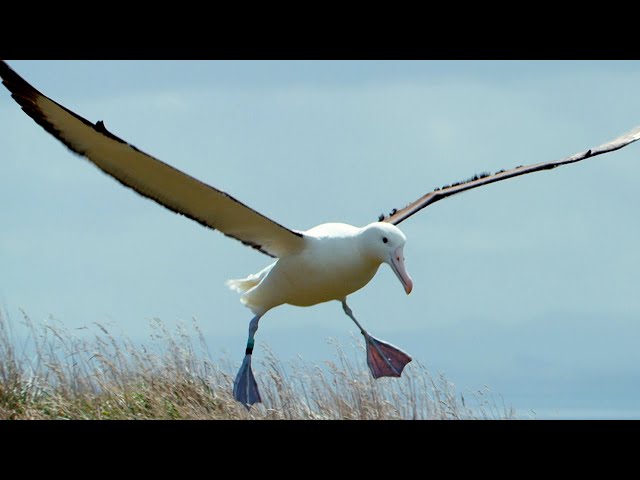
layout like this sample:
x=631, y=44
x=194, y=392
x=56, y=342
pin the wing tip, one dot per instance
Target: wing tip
x=26, y=95
x=22, y=92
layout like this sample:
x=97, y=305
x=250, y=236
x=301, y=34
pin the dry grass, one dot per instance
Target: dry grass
x=55, y=374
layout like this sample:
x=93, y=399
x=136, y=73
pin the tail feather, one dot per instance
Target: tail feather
x=243, y=285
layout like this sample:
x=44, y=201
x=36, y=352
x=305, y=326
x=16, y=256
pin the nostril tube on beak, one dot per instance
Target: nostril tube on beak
x=397, y=265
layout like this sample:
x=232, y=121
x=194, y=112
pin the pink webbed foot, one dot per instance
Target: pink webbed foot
x=384, y=359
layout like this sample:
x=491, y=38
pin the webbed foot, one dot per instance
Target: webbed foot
x=245, y=388
x=384, y=359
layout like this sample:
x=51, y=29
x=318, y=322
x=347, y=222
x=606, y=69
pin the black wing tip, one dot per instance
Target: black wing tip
x=27, y=96
x=22, y=92
x=9, y=77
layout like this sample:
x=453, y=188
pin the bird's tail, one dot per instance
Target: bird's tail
x=243, y=285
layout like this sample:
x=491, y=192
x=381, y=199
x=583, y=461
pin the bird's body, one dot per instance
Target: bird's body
x=327, y=262
x=334, y=263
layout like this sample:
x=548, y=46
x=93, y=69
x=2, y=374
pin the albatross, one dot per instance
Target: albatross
x=325, y=263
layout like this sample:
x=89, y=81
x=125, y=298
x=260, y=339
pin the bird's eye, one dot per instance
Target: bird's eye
x=385, y=239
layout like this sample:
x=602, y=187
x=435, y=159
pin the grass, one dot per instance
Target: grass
x=56, y=374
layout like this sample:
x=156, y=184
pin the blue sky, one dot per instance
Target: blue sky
x=529, y=286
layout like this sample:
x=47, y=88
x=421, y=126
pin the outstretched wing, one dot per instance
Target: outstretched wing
x=397, y=216
x=150, y=177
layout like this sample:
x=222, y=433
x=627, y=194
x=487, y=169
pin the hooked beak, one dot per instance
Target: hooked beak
x=397, y=265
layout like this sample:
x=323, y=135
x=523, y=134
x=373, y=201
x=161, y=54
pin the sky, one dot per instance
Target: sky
x=529, y=286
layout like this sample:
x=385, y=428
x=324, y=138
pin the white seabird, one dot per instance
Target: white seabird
x=325, y=263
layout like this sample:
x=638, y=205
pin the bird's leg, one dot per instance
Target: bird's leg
x=245, y=388
x=384, y=359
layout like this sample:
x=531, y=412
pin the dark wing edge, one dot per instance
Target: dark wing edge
x=27, y=97
x=397, y=216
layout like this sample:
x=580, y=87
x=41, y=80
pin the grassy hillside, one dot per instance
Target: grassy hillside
x=56, y=374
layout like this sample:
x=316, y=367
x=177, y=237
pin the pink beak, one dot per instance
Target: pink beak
x=397, y=265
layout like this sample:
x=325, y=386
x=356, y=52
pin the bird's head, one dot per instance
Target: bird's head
x=384, y=242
